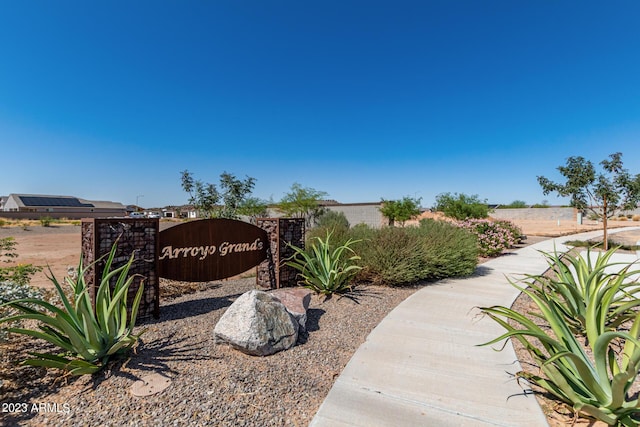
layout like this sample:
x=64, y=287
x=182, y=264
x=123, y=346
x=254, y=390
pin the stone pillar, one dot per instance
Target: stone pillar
x=282, y=232
x=133, y=235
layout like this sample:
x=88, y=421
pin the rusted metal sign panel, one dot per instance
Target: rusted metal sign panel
x=210, y=249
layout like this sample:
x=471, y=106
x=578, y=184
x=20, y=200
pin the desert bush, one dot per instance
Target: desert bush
x=11, y=291
x=595, y=386
x=389, y=256
x=449, y=252
x=46, y=221
x=87, y=337
x=20, y=274
x=493, y=237
x=514, y=230
x=635, y=218
x=3, y=223
x=324, y=268
x=332, y=219
x=433, y=250
x=332, y=222
x=461, y=206
x=8, y=249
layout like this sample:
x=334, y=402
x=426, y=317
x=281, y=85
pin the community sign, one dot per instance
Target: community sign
x=210, y=249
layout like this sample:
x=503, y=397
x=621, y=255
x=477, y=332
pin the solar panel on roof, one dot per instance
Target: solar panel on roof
x=70, y=202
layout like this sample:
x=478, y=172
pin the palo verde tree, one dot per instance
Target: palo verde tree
x=253, y=208
x=302, y=202
x=400, y=210
x=212, y=202
x=461, y=206
x=602, y=193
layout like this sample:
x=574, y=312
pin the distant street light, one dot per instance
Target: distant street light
x=138, y=197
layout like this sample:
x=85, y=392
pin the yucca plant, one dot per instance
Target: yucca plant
x=323, y=269
x=591, y=299
x=597, y=387
x=87, y=337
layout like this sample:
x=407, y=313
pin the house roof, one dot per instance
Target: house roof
x=42, y=200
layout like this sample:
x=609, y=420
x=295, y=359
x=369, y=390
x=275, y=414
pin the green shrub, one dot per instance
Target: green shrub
x=332, y=219
x=19, y=274
x=8, y=249
x=2, y=223
x=390, y=256
x=324, y=268
x=88, y=337
x=332, y=222
x=461, y=206
x=594, y=386
x=433, y=250
x=46, y=221
x=493, y=236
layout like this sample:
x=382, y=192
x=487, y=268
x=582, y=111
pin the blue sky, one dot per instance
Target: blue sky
x=361, y=99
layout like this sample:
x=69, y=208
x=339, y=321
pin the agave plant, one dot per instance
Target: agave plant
x=596, y=387
x=87, y=337
x=324, y=270
x=591, y=299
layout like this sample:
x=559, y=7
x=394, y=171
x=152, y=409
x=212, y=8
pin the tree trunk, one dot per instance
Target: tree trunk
x=604, y=224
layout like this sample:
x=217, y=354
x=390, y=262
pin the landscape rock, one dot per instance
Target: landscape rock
x=297, y=301
x=258, y=324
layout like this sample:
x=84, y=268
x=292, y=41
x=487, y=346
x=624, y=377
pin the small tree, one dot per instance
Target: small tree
x=601, y=193
x=400, y=210
x=253, y=208
x=461, y=206
x=302, y=202
x=206, y=197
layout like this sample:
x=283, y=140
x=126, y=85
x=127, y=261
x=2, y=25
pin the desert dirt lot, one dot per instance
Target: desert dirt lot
x=58, y=247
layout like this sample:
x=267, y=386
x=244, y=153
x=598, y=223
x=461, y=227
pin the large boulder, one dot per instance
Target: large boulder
x=257, y=323
x=297, y=301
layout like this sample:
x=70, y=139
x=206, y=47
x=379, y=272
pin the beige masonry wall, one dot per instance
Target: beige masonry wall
x=541, y=214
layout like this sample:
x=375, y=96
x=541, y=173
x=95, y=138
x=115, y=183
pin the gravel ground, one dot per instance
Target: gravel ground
x=214, y=384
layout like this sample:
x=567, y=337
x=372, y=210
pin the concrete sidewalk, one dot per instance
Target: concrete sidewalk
x=421, y=365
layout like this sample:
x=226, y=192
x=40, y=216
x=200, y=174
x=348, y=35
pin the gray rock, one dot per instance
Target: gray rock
x=297, y=301
x=257, y=323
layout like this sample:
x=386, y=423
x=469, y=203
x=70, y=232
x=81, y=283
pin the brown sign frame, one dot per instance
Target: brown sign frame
x=210, y=249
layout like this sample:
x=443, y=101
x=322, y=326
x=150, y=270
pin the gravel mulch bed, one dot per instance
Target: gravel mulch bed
x=210, y=384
